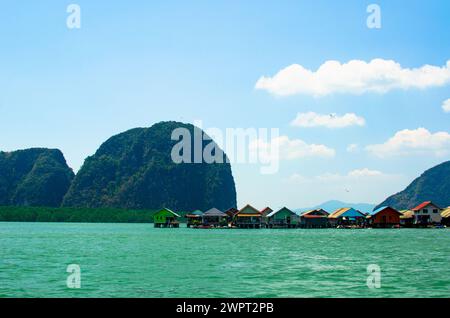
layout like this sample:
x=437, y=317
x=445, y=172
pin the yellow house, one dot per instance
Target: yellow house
x=248, y=218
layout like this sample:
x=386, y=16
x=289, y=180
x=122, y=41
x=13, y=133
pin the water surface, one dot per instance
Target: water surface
x=136, y=260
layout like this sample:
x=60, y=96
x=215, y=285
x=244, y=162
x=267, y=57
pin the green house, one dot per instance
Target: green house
x=166, y=218
x=283, y=218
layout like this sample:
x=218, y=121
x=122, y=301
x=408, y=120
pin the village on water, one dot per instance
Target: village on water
x=425, y=215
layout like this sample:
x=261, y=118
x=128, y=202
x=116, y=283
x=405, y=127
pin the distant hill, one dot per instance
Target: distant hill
x=33, y=177
x=333, y=205
x=432, y=185
x=134, y=170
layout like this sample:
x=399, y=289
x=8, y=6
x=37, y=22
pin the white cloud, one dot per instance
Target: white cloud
x=312, y=119
x=290, y=149
x=413, y=142
x=354, y=77
x=446, y=106
x=358, y=173
x=352, y=148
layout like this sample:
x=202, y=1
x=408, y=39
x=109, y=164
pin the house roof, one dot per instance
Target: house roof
x=424, y=205
x=311, y=213
x=248, y=210
x=280, y=210
x=446, y=213
x=231, y=211
x=195, y=213
x=266, y=211
x=310, y=216
x=382, y=209
x=351, y=212
x=407, y=214
x=170, y=211
x=214, y=212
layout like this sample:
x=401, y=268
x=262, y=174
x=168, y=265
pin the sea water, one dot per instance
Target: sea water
x=137, y=260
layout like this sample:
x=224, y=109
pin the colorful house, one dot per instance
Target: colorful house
x=166, y=218
x=283, y=218
x=427, y=213
x=385, y=217
x=194, y=218
x=265, y=212
x=347, y=217
x=215, y=217
x=231, y=212
x=407, y=218
x=445, y=214
x=248, y=217
x=317, y=218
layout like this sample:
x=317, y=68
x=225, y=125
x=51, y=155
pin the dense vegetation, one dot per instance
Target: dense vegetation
x=134, y=170
x=432, y=185
x=34, y=177
x=39, y=214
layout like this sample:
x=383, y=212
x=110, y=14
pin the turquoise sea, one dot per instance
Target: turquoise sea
x=136, y=260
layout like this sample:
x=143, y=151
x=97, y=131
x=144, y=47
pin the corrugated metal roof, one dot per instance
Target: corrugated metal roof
x=338, y=213
x=379, y=210
x=197, y=212
x=382, y=209
x=170, y=211
x=231, y=211
x=214, y=212
x=407, y=214
x=249, y=210
x=266, y=211
x=424, y=205
x=280, y=210
x=349, y=212
x=310, y=212
x=446, y=213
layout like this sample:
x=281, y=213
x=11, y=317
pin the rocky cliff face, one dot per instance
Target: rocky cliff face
x=34, y=177
x=135, y=170
x=432, y=185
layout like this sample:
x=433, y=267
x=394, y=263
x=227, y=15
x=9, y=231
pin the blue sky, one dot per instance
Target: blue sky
x=136, y=63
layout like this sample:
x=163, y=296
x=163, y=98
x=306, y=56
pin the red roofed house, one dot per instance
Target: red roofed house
x=427, y=213
x=265, y=212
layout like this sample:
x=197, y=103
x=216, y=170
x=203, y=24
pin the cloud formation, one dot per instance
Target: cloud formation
x=290, y=149
x=312, y=119
x=446, y=106
x=413, y=142
x=354, y=77
x=358, y=173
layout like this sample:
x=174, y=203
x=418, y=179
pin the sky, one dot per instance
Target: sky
x=361, y=111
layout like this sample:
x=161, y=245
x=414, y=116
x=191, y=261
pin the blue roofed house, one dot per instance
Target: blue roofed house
x=347, y=217
x=385, y=217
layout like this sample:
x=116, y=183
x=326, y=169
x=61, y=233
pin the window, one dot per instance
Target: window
x=435, y=211
x=425, y=211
